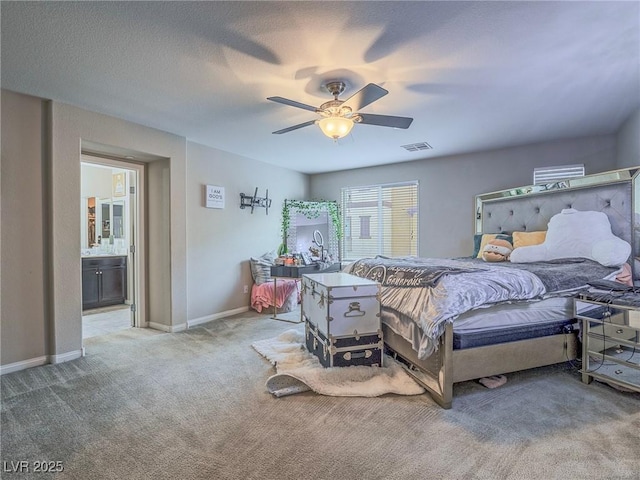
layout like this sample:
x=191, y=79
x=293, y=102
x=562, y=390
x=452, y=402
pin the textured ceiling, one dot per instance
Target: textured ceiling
x=473, y=75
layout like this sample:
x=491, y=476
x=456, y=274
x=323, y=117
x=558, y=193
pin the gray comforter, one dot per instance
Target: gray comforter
x=450, y=287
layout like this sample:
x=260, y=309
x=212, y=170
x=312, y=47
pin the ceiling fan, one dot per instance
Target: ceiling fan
x=339, y=116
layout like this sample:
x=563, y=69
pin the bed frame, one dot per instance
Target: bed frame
x=521, y=209
x=447, y=366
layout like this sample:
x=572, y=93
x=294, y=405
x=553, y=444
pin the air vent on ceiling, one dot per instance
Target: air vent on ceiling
x=544, y=175
x=414, y=147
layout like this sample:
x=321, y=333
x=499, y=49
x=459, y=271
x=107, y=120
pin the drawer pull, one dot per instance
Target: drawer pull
x=618, y=372
x=354, y=310
x=619, y=331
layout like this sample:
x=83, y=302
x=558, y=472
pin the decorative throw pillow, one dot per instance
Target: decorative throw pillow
x=524, y=239
x=480, y=240
x=572, y=233
x=497, y=250
x=261, y=267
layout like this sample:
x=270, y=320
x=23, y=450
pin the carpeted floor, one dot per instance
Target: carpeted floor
x=193, y=405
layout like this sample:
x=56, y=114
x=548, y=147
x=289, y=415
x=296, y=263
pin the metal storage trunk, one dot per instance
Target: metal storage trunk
x=345, y=351
x=342, y=316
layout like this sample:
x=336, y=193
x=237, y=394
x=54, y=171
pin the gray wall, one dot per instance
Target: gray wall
x=159, y=244
x=448, y=184
x=70, y=128
x=629, y=142
x=23, y=248
x=221, y=241
x=197, y=257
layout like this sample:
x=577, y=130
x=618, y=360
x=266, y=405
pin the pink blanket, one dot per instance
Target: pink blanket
x=262, y=295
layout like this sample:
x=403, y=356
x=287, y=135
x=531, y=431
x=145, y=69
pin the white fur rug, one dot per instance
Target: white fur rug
x=300, y=371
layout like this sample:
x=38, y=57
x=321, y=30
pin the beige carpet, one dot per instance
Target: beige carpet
x=193, y=405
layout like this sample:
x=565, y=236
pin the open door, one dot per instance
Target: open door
x=114, y=187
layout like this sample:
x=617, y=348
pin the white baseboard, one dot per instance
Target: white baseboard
x=39, y=361
x=168, y=328
x=196, y=321
x=65, y=357
x=215, y=316
x=24, y=364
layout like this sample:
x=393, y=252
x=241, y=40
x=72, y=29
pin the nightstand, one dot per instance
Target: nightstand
x=610, y=338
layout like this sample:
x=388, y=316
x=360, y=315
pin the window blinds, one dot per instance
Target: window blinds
x=380, y=220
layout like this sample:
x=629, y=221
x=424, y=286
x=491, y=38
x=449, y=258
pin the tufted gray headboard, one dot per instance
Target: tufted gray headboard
x=532, y=212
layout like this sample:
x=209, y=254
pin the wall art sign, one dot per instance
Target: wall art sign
x=214, y=196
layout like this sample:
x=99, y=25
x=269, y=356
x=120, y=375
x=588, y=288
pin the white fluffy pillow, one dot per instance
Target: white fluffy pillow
x=572, y=233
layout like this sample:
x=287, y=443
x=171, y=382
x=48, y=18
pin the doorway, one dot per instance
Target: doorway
x=111, y=247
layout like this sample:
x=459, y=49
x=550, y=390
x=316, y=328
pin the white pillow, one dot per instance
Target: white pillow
x=572, y=233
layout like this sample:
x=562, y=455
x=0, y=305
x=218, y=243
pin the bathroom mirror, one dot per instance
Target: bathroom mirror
x=117, y=224
x=105, y=218
x=109, y=215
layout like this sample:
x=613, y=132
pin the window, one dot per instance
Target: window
x=365, y=226
x=380, y=220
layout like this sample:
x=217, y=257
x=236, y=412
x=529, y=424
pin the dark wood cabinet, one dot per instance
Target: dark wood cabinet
x=104, y=281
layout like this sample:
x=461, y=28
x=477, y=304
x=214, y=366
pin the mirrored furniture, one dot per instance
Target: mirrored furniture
x=312, y=230
x=610, y=338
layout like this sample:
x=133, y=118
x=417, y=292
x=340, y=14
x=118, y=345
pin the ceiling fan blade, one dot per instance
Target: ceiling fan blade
x=385, y=120
x=295, y=127
x=292, y=103
x=363, y=97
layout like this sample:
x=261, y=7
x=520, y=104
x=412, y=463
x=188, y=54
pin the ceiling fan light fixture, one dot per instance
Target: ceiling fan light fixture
x=338, y=116
x=335, y=127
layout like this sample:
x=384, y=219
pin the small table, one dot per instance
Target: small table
x=296, y=271
x=291, y=272
x=275, y=296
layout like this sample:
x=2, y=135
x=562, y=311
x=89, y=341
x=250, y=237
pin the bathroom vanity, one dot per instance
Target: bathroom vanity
x=104, y=280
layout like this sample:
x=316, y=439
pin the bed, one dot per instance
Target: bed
x=446, y=330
